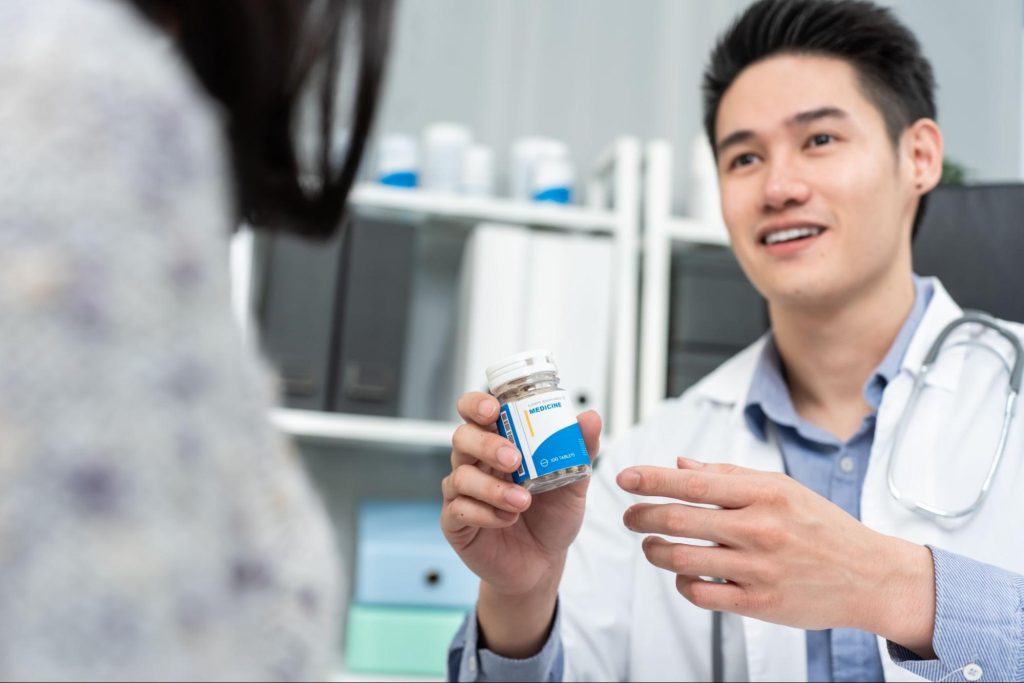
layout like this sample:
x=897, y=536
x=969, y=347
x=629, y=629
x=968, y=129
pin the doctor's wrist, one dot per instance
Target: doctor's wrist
x=517, y=626
x=902, y=604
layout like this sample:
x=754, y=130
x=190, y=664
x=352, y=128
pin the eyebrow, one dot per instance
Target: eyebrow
x=800, y=119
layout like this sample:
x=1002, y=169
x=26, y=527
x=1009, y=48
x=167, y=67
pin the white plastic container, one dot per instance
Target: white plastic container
x=527, y=155
x=538, y=418
x=443, y=148
x=397, y=161
x=552, y=181
x=478, y=171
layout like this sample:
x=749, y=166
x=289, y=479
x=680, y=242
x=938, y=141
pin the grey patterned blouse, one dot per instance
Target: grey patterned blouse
x=152, y=523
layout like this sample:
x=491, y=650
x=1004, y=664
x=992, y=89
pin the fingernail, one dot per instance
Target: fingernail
x=691, y=464
x=517, y=497
x=508, y=457
x=485, y=408
x=629, y=480
x=506, y=515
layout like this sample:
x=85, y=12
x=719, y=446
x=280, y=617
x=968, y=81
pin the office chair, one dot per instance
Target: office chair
x=972, y=238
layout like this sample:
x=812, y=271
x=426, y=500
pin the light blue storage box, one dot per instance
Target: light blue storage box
x=402, y=558
x=385, y=639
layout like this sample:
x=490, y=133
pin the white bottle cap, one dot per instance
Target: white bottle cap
x=444, y=145
x=518, y=366
x=478, y=171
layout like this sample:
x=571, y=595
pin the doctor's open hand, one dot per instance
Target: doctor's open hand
x=787, y=555
x=514, y=542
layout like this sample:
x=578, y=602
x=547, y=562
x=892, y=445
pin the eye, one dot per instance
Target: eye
x=744, y=159
x=820, y=139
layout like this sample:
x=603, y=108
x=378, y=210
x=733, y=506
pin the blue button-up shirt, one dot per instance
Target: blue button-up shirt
x=979, y=610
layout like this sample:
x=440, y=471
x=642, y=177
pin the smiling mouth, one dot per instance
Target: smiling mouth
x=791, y=235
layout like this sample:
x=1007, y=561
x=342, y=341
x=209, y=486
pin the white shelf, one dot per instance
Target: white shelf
x=566, y=217
x=364, y=429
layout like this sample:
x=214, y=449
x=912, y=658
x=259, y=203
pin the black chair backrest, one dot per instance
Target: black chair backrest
x=972, y=239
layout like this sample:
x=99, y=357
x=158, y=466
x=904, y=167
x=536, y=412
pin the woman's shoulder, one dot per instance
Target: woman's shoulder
x=100, y=109
x=94, y=61
x=107, y=39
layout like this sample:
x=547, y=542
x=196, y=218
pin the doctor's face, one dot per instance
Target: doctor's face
x=817, y=202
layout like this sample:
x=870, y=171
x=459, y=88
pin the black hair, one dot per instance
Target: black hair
x=258, y=59
x=892, y=70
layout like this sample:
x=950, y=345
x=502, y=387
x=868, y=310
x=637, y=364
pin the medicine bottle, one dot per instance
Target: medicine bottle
x=537, y=416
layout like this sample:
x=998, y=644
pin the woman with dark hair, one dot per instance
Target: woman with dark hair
x=152, y=523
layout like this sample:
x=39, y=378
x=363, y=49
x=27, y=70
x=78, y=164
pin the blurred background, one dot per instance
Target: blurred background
x=538, y=178
x=584, y=71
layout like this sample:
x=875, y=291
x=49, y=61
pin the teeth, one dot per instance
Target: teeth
x=791, y=234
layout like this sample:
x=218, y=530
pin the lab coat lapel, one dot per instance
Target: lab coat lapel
x=774, y=653
x=941, y=311
x=878, y=509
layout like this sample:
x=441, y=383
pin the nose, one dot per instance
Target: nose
x=785, y=187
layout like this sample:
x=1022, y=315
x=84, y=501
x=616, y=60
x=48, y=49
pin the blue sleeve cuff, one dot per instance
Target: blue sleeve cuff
x=979, y=623
x=466, y=662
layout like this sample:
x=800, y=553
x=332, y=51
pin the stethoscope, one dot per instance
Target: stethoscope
x=971, y=318
x=1015, y=374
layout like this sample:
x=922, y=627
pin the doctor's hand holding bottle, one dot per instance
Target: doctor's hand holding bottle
x=514, y=542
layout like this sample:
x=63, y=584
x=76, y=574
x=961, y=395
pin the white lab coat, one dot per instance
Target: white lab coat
x=623, y=619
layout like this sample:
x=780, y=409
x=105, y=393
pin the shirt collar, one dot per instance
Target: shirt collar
x=768, y=397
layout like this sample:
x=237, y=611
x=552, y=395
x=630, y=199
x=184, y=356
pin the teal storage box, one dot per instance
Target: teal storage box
x=402, y=558
x=400, y=640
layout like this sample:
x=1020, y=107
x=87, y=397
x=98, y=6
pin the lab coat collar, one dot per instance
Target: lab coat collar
x=941, y=311
x=730, y=383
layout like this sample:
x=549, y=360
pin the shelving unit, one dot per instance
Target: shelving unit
x=613, y=203
x=366, y=196
x=661, y=229
x=400, y=433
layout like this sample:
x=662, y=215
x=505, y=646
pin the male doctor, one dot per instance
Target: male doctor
x=771, y=472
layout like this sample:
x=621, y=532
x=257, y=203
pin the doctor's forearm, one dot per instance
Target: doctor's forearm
x=518, y=626
x=900, y=605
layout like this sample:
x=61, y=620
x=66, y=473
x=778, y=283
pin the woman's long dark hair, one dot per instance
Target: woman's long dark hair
x=257, y=58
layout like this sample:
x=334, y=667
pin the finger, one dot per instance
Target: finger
x=478, y=408
x=471, y=443
x=472, y=482
x=466, y=512
x=590, y=424
x=681, y=521
x=719, y=467
x=712, y=595
x=694, y=486
x=692, y=560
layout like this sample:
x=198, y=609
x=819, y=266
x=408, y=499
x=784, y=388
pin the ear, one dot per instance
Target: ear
x=922, y=145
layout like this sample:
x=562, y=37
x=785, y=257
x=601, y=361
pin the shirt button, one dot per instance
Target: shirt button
x=846, y=464
x=472, y=664
x=973, y=672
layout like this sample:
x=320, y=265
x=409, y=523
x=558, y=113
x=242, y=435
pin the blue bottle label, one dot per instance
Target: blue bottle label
x=545, y=431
